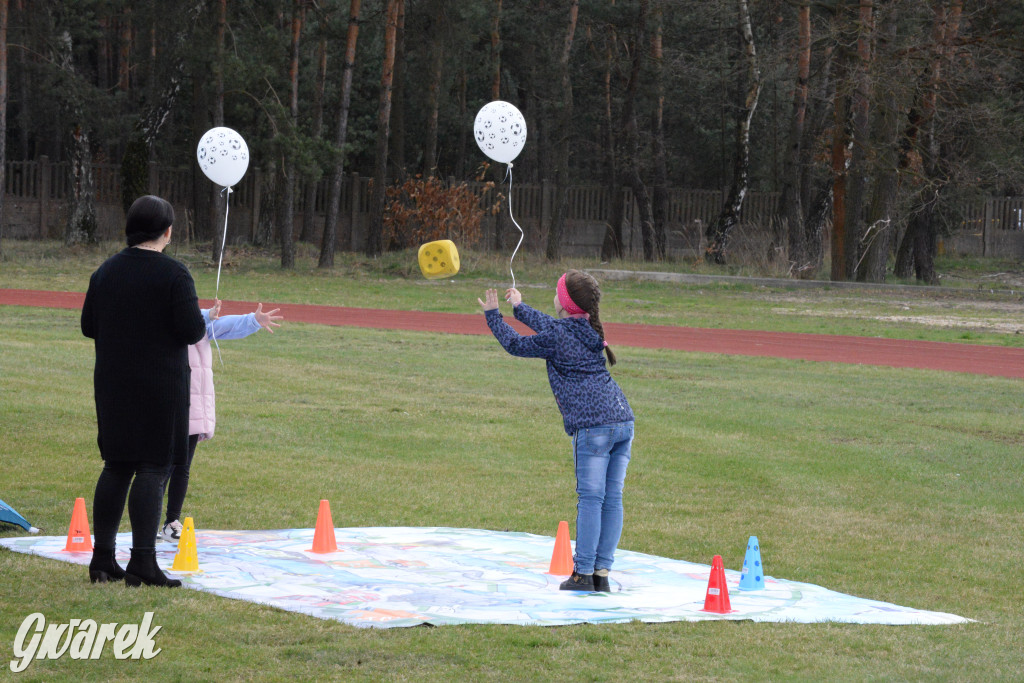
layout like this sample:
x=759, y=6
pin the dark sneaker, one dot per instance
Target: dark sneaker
x=578, y=582
x=601, y=584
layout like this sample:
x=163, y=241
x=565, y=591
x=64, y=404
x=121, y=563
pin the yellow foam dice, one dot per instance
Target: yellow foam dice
x=439, y=259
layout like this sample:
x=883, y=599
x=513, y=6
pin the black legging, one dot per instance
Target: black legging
x=177, y=483
x=146, y=482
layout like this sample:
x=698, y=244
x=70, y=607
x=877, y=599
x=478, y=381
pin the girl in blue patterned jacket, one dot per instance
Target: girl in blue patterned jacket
x=594, y=411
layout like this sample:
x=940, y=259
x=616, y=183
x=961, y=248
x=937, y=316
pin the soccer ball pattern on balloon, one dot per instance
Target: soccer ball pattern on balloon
x=500, y=131
x=223, y=156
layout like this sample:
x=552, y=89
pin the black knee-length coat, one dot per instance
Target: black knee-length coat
x=142, y=311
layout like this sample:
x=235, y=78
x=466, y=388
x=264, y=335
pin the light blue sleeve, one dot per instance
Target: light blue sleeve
x=231, y=326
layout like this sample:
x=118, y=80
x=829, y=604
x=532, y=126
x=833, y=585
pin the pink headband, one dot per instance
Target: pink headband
x=566, y=301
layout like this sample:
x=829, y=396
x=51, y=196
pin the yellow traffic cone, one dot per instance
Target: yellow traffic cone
x=187, y=558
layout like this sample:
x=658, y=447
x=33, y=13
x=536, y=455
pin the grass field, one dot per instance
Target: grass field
x=897, y=485
x=983, y=307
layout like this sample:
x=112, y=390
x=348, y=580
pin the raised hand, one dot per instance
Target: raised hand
x=266, y=318
x=490, y=301
x=513, y=296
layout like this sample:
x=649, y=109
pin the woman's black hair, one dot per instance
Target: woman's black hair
x=147, y=219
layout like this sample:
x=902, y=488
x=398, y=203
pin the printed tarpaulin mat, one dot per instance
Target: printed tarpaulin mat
x=393, y=576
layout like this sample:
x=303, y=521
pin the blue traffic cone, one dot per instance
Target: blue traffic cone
x=752, y=576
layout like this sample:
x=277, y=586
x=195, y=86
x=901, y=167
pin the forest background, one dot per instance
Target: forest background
x=873, y=123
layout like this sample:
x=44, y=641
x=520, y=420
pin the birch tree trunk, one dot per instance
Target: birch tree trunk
x=375, y=233
x=718, y=231
x=327, y=243
x=81, y=223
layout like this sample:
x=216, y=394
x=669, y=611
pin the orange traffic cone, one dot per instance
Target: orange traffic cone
x=561, y=558
x=323, y=537
x=717, y=597
x=79, y=540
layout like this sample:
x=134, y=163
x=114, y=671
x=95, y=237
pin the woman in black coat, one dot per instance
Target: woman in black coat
x=142, y=311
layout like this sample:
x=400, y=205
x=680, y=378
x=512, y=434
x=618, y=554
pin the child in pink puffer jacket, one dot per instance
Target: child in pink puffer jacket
x=202, y=416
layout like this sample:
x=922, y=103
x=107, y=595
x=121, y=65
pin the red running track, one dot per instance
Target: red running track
x=972, y=358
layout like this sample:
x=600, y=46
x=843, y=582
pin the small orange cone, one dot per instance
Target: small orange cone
x=323, y=537
x=717, y=597
x=561, y=558
x=79, y=540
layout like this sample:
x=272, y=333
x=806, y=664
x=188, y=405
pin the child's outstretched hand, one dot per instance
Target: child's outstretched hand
x=513, y=296
x=266, y=318
x=490, y=301
x=215, y=310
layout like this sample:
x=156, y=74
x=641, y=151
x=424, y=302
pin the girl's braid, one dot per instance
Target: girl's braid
x=586, y=292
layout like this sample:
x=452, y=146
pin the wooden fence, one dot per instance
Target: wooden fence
x=37, y=192
x=992, y=227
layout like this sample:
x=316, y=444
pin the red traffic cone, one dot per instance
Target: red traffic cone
x=323, y=537
x=561, y=558
x=717, y=598
x=78, y=531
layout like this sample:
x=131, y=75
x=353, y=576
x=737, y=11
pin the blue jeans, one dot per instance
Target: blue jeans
x=601, y=455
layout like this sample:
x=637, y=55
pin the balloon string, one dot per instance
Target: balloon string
x=508, y=174
x=213, y=336
x=220, y=261
x=224, y=237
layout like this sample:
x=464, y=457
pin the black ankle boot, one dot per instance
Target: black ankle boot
x=601, y=584
x=578, y=582
x=143, y=569
x=103, y=568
